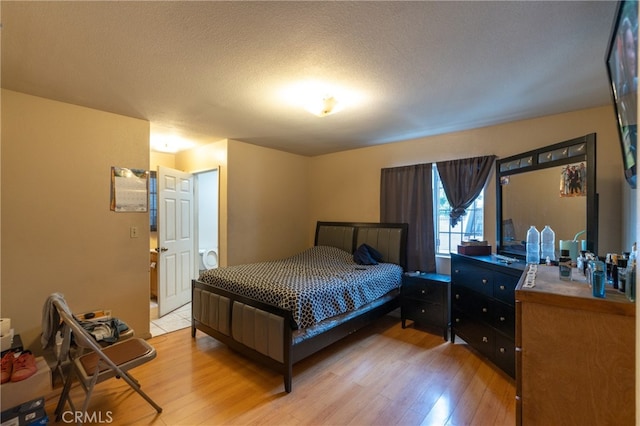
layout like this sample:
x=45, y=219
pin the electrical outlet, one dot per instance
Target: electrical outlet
x=133, y=232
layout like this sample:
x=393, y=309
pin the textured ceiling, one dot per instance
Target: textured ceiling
x=213, y=70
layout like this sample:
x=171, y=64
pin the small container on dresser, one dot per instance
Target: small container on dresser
x=426, y=300
x=483, y=306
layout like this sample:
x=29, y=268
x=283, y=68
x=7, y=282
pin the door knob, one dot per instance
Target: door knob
x=161, y=249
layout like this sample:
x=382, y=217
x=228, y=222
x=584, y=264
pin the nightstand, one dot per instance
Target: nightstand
x=425, y=298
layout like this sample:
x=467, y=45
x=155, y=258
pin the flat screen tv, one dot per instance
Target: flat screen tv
x=622, y=69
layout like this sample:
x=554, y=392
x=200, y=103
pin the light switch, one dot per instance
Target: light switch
x=133, y=232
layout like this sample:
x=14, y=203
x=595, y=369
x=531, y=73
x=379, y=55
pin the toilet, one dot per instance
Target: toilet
x=208, y=259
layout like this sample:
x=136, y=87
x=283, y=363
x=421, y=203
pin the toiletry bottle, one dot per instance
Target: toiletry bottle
x=622, y=274
x=631, y=281
x=581, y=262
x=598, y=279
x=564, y=265
x=631, y=275
x=614, y=270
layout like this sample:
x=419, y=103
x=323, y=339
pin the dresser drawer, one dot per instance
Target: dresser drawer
x=474, y=305
x=504, y=286
x=477, y=334
x=477, y=279
x=504, y=318
x=505, y=354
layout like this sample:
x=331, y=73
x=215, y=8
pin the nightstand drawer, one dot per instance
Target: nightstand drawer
x=423, y=289
x=423, y=312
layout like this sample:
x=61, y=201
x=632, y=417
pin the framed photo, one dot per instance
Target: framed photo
x=622, y=69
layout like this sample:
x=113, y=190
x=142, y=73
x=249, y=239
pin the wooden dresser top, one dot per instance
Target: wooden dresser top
x=576, y=294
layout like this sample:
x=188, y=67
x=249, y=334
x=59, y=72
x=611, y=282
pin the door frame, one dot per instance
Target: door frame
x=196, y=188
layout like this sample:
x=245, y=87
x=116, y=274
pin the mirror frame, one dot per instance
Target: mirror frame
x=542, y=158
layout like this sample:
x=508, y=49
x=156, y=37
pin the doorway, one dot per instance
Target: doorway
x=205, y=248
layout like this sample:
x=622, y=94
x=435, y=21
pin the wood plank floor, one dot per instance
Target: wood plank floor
x=381, y=375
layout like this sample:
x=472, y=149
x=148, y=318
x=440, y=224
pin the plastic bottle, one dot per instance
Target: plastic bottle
x=533, y=245
x=548, y=243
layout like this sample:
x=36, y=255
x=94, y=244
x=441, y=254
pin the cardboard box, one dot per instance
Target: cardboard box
x=29, y=413
x=36, y=386
x=474, y=250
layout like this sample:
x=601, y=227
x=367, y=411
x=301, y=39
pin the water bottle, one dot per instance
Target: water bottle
x=533, y=245
x=548, y=243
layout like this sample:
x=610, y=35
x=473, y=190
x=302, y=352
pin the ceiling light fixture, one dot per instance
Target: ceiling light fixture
x=325, y=106
x=319, y=98
x=169, y=143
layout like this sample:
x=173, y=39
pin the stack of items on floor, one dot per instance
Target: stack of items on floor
x=25, y=381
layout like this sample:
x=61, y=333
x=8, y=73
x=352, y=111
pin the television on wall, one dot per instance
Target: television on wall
x=622, y=69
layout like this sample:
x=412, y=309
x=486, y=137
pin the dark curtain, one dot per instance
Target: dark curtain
x=463, y=181
x=406, y=196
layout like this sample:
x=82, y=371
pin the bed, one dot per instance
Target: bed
x=280, y=312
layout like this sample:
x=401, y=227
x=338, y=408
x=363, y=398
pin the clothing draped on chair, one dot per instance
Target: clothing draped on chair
x=86, y=360
x=406, y=196
x=463, y=181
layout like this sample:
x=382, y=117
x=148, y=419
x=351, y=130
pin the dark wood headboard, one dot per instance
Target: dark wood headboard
x=390, y=239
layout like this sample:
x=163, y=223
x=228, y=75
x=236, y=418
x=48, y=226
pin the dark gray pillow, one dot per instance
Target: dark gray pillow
x=362, y=256
x=367, y=255
x=375, y=254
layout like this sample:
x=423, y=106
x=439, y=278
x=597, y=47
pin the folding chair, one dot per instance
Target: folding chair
x=99, y=364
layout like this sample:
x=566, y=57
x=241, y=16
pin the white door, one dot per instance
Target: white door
x=176, y=255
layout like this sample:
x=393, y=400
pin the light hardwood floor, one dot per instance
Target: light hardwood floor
x=381, y=375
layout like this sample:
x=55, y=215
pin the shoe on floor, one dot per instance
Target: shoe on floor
x=7, y=366
x=24, y=366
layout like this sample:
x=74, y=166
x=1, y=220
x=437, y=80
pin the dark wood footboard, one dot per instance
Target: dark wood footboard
x=217, y=312
x=220, y=314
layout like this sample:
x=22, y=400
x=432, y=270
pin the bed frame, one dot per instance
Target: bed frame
x=264, y=332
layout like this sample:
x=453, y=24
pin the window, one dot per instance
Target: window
x=153, y=201
x=469, y=227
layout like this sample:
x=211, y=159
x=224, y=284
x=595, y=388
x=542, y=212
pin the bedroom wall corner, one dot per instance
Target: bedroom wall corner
x=268, y=203
x=59, y=234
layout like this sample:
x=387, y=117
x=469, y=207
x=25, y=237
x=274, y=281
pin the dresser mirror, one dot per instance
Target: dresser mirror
x=555, y=186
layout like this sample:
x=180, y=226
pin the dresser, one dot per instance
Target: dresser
x=425, y=299
x=483, y=306
x=575, y=353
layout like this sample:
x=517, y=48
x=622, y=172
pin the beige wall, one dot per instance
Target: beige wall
x=268, y=203
x=58, y=233
x=346, y=185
